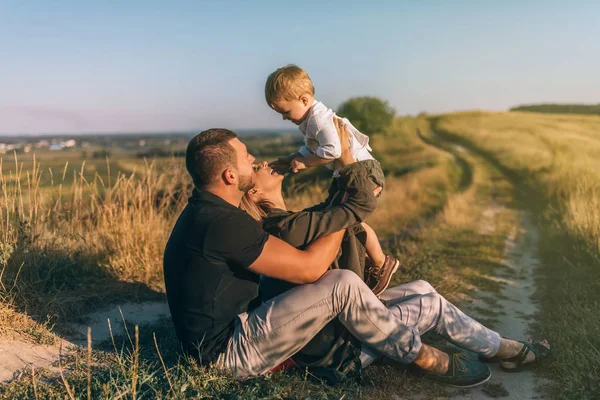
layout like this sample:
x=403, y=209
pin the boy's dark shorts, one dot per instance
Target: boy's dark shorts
x=361, y=174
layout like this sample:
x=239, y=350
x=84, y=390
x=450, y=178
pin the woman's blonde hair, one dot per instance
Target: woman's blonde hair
x=257, y=211
x=288, y=83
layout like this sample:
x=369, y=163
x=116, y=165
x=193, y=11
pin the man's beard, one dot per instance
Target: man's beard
x=246, y=183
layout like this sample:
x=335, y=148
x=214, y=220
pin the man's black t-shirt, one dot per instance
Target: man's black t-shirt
x=206, y=272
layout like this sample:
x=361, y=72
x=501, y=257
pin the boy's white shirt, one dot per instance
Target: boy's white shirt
x=321, y=138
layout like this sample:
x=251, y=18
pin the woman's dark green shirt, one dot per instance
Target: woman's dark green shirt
x=333, y=353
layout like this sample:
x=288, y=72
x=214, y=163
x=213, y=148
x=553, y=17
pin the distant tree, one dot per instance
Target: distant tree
x=367, y=114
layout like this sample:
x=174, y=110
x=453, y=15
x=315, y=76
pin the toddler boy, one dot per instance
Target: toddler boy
x=290, y=92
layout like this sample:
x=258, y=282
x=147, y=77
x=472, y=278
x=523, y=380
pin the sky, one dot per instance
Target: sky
x=131, y=66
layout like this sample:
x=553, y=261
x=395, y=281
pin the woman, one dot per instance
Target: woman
x=334, y=354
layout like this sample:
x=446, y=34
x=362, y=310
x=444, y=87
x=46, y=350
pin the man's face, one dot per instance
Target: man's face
x=293, y=110
x=244, y=165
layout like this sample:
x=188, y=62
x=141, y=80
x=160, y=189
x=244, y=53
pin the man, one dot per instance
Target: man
x=216, y=253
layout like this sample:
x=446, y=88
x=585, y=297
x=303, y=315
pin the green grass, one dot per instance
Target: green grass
x=554, y=160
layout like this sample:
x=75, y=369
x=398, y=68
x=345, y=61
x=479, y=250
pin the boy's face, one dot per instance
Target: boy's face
x=293, y=110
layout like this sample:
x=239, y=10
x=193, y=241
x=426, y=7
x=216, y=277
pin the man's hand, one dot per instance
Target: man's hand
x=297, y=165
x=282, y=164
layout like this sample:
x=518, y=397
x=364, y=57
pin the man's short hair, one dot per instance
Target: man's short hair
x=208, y=154
x=288, y=83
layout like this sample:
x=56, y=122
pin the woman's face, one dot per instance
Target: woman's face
x=266, y=179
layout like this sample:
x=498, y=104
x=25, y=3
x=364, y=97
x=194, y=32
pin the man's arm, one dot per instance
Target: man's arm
x=282, y=261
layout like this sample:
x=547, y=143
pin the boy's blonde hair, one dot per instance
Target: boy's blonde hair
x=288, y=83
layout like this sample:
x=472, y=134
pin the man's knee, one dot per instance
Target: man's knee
x=341, y=278
x=349, y=276
x=423, y=287
x=345, y=284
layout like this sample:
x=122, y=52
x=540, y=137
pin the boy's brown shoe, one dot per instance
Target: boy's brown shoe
x=378, y=278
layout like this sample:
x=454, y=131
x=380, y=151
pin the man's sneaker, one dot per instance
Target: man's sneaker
x=378, y=278
x=462, y=373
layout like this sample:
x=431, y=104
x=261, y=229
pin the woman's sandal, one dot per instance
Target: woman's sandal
x=541, y=349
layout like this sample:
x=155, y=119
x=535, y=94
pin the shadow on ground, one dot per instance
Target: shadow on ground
x=56, y=285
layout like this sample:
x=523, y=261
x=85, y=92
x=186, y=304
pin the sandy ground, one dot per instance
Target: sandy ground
x=15, y=357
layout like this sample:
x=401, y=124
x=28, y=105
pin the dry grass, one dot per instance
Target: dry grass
x=558, y=154
x=60, y=254
x=81, y=242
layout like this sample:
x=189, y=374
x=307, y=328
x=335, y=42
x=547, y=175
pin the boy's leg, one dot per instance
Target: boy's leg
x=279, y=328
x=368, y=175
x=381, y=267
x=373, y=247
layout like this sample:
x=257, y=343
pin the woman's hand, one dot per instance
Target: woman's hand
x=342, y=130
x=346, y=157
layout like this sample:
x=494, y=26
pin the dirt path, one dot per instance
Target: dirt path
x=515, y=307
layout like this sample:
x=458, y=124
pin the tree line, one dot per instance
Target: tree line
x=560, y=108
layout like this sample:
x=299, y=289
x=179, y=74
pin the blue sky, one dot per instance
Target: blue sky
x=93, y=66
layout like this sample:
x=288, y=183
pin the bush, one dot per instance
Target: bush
x=367, y=114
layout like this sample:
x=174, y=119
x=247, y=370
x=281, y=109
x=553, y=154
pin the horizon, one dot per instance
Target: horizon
x=241, y=132
x=84, y=69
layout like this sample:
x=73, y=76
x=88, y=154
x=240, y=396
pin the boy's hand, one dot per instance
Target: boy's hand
x=297, y=165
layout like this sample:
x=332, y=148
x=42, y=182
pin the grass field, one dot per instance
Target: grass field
x=555, y=160
x=68, y=247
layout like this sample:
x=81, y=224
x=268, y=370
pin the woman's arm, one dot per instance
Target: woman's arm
x=342, y=130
